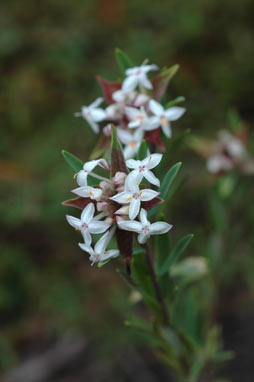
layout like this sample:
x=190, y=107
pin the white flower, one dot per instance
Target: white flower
x=144, y=228
x=88, y=192
x=217, y=163
x=99, y=253
x=132, y=141
x=233, y=145
x=87, y=168
x=132, y=98
x=139, y=119
x=93, y=114
x=87, y=224
x=142, y=168
x=138, y=76
x=165, y=116
x=134, y=196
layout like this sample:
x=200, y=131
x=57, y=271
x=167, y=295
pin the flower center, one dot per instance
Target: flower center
x=164, y=120
x=88, y=113
x=137, y=196
x=138, y=72
x=141, y=168
x=146, y=230
x=132, y=144
x=140, y=118
x=84, y=227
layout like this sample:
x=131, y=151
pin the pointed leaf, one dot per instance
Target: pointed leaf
x=174, y=102
x=117, y=158
x=161, y=81
x=123, y=60
x=175, y=253
x=154, y=136
x=108, y=88
x=152, y=203
x=73, y=161
x=78, y=202
x=142, y=152
x=100, y=148
x=124, y=241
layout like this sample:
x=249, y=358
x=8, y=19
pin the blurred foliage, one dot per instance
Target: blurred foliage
x=50, y=53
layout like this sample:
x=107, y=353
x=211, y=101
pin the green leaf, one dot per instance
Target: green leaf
x=167, y=181
x=161, y=81
x=175, y=253
x=175, y=102
x=142, y=152
x=73, y=161
x=117, y=157
x=123, y=60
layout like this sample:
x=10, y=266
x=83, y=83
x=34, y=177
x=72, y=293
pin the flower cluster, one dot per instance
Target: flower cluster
x=134, y=108
x=117, y=204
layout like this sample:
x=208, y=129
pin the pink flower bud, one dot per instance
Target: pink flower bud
x=119, y=179
x=107, y=130
x=123, y=211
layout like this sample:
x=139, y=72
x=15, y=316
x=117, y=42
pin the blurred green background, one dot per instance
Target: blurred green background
x=50, y=52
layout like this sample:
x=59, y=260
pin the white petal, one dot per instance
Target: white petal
x=142, y=238
x=130, y=151
x=145, y=82
x=151, y=123
x=134, y=208
x=134, y=176
x=131, y=185
x=109, y=254
x=130, y=225
x=87, y=237
x=89, y=166
x=152, y=160
x=132, y=113
x=148, y=68
x=131, y=71
x=87, y=213
x=156, y=108
x=82, y=178
x=129, y=83
x=98, y=115
x=74, y=222
x=98, y=227
x=102, y=243
x=143, y=217
x=96, y=103
x=167, y=130
x=174, y=113
x=132, y=163
x=151, y=178
x=124, y=136
x=134, y=124
x=86, y=248
x=88, y=192
x=148, y=195
x=123, y=197
x=160, y=228
x=94, y=125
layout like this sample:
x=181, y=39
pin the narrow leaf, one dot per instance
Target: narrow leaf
x=108, y=88
x=123, y=60
x=117, y=158
x=142, y=152
x=175, y=102
x=154, y=136
x=73, y=161
x=161, y=81
x=78, y=202
x=175, y=253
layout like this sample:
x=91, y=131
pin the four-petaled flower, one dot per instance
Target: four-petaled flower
x=87, y=224
x=87, y=168
x=134, y=196
x=88, y=192
x=99, y=254
x=139, y=119
x=138, y=76
x=93, y=114
x=163, y=117
x=142, y=168
x=132, y=141
x=144, y=228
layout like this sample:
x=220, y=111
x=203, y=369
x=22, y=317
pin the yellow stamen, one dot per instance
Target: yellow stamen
x=77, y=229
x=128, y=199
x=90, y=193
x=75, y=175
x=132, y=144
x=164, y=121
x=140, y=194
x=140, y=118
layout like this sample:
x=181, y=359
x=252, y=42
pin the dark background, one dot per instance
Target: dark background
x=50, y=52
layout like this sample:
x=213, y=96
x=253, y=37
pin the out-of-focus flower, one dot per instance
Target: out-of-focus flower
x=87, y=168
x=138, y=76
x=139, y=119
x=144, y=228
x=132, y=141
x=87, y=224
x=99, y=254
x=142, y=168
x=93, y=114
x=164, y=117
x=88, y=192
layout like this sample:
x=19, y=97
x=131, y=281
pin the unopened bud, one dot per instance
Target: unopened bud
x=123, y=211
x=109, y=220
x=119, y=178
x=107, y=130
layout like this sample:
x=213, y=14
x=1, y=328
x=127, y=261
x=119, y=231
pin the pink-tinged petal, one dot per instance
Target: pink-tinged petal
x=81, y=178
x=74, y=222
x=122, y=198
x=87, y=237
x=134, y=208
x=151, y=203
x=87, y=213
x=87, y=248
x=159, y=228
x=154, y=136
x=156, y=108
x=132, y=163
x=130, y=225
x=104, y=164
x=108, y=88
x=98, y=227
x=78, y=202
x=148, y=195
x=151, y=178
x=143, y=217
x=174, y=113
x=166, y=129
x=152, y=160
x=129, y=83
x=142, y=238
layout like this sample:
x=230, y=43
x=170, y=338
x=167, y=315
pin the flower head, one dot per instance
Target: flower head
x=138, y=76
x=93, y=114
x=143, y=168
x=139, y=119
x=87, y=168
